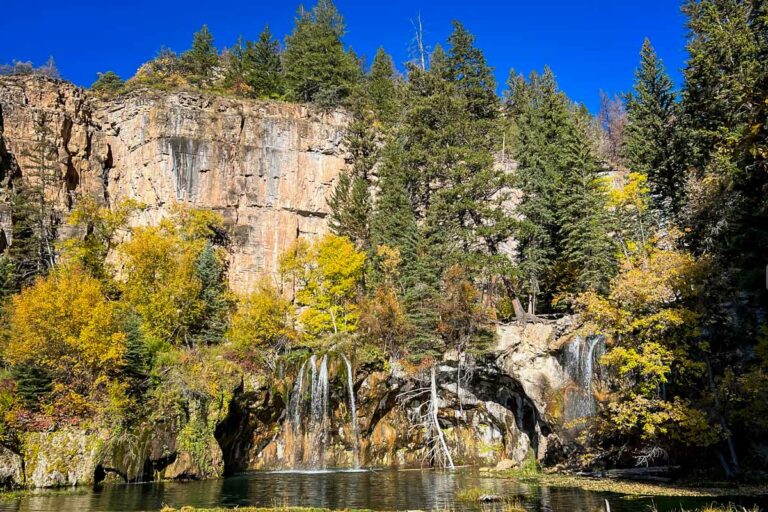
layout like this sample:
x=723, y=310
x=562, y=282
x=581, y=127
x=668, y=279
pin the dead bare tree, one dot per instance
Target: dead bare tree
x=427, y=419
x=418, y=46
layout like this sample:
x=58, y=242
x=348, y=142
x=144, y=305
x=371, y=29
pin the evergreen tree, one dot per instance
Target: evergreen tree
x=199, y=61
x=34, y=217
x=587, y=249
x=107, y=83
x=350, y=209
x=317, y=68
x=350, y=202
x=381, y=87
x=726, y=83
x=541, y=115
x=6, y=278
x=136, y=357
x=33, y=383
x=256, y=68
x=211, y=272
x=394, y=224
x=651, y=132
x=472, y=76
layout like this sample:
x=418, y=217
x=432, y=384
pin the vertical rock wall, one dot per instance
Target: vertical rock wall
x=267, y=167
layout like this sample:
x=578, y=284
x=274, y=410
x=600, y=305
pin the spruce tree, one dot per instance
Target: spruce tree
x=724, y=110
x=587, y=249
x=212, y=321
x=541, y=115
x=317, y=68
x=199, y=61
x=33, y=383
x=256, y=68
x=471, y=74
x=382, y=89
x=651, y=132
x=34, y=216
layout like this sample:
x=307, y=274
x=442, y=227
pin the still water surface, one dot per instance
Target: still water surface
x=378, y=490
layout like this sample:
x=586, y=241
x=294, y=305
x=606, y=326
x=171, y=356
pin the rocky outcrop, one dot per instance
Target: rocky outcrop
x=66, y=457
x=506, y=409
x=267, y=167
x=527, y=354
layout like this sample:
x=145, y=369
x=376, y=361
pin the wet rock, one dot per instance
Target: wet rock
x=66, y=457
x=11, y=469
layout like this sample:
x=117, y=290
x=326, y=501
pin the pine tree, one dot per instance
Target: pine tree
x=350, y=209
x=726, y=83
x=107, y=83
x=381, y=87
x=34, y=216
x=394, y=224
x=651, y=132
x=211, y=272
x=317, y=69
x=137, y=358
x=472, y=76
x=350, y=202
x=587, y=249
x=199, y=61
x=256, y=68
x=33, y=383
x=541, y=115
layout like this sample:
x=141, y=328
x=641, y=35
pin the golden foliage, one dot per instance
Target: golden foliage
x=65, y=325
x=262, y=324
x=326, y=276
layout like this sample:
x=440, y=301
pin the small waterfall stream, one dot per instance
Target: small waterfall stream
x=581, y=357
x=311, y=426
x=353, y=411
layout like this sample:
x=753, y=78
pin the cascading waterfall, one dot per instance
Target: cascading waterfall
x=353, y=411
x=309, y=413
x=319, y=407
x=580, y=357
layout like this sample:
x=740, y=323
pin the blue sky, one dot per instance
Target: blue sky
x=591, y=45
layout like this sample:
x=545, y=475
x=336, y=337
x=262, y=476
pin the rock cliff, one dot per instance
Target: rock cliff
x=267, y=167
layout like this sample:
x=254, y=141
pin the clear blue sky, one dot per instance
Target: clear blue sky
x=590, y=44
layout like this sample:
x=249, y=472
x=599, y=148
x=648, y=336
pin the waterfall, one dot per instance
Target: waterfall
x=319, y=408
x=580, y=358
x=309, y=413
x=353, y=410
x=297, y=399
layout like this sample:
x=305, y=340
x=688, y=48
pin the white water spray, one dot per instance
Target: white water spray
x=353, y=410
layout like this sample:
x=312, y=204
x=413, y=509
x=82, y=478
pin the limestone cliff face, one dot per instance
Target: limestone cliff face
x=267, y=167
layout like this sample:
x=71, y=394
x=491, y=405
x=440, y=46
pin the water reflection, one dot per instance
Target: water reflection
x=380, y=490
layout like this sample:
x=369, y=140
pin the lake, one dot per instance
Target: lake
x=379, y=490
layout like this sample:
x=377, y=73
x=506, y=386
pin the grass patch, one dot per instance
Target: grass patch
x=643, y=489
x=17, y=494
x=530, y=468
x=715, y=507
x=257, y=509
x=470, y=494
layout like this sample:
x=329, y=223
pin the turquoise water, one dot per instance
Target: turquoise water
x=379, y=490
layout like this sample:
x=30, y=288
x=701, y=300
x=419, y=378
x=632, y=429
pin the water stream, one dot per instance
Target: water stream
x=353, y=411
x=310, y=413
x=581, y=362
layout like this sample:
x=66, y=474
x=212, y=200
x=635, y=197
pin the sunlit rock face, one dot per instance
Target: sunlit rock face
x=267, y=167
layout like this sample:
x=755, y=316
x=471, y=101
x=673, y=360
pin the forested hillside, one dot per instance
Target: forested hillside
x=464, y=204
